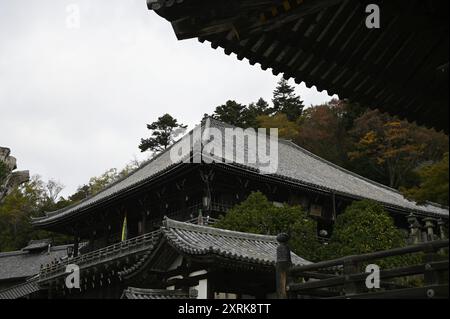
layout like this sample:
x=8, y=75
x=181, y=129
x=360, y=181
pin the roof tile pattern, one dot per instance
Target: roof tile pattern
x=196, y=240
x=20, y=291
x=23, y=264
x=40, y=244
x=140, y=293
x=295, y=164
x=299, y=165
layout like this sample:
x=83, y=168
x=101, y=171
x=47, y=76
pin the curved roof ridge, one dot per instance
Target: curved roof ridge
x=109, y=186
x=159, y=165
x=309, y=153
x=342, y=169
x=170, y=223
x=13, y=253
x=205, y=240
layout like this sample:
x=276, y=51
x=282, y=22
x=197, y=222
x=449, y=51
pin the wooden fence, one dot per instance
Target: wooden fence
x=424, y=276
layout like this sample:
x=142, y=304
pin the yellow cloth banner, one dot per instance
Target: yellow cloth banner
x=124, y=229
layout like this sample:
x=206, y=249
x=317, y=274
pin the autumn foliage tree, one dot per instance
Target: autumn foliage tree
x=388, y=149
x=322, y=131
x=286, y=129
x=433, y=184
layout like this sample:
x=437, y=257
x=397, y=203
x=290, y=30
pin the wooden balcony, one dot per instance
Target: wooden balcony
x=132, y=247
x=110, y=253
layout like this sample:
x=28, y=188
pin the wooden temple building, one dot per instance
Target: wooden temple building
x=168, y=248
x=168, y=208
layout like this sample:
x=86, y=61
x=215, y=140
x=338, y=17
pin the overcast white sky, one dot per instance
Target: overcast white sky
x=74, y=102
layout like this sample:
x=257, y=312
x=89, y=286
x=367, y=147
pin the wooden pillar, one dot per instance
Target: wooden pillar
x=143, y=209
x=76, y=245
x=433, y=276
x=351, y=287
x=144, y=222
x=182, y=197
x=334, y=207
x=207, y=177
x=441, y=225
x=283, y=264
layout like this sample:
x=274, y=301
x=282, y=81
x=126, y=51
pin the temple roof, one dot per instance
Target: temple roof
x=400, y=68
x=185, y=238
x=295, y=165
x=141, y=293
x=196, y=240
x=20, y=290
x=39, y=244
x=27, y=263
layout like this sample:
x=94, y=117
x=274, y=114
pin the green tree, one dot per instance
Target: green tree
x=254, y=110
x=433, y=184
x=99, y=183
x=261, y=107
x=31, y=199
x=286, y=129
x=163, y=134
x=365, y=227
x=233, y=113
x=257, y=215
x=286, y=101
x=240, y=115
x=82, y=192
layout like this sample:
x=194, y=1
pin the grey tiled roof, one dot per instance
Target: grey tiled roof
x=24, y=264
x=40, y=244
x=20, y=291
x=141, y=293
x=295, y=164
x=196, y=240
x=298, y=165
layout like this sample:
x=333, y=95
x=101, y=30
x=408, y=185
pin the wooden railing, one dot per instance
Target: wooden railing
x=216, y=208
x=193, y=210
x=115, y=251
x=205, y=221
x=344, y=277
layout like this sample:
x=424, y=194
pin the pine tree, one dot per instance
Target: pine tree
x=164, y=131
x=232, y=113
x=255, y=110
x=286, y=101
